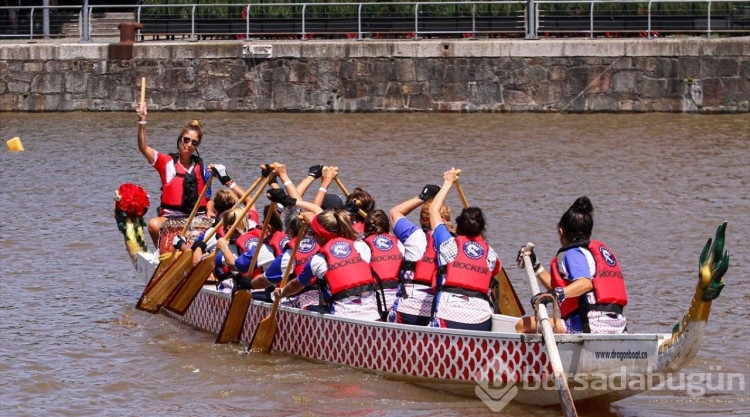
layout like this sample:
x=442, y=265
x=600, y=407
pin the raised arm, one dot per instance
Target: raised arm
x=148, y=152
x=313, y=173
x=329, y=173
x=402, y=210
x=449, y=177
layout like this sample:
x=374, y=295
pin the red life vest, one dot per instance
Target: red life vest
x=173, y=193
x=386, y=258
x=307, y=248
x=608, y=281
x=425, y=270
x=359, y=227
x=348, y=274
x=277, y=242
x=469, y=271
x=246, y=241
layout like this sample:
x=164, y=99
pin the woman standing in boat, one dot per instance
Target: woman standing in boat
x=341, y=267
x=466, y=266
x=585, y=278
x=183, y=174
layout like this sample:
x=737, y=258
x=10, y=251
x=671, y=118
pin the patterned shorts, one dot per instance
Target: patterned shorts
x=461, y=309
x=364, y=307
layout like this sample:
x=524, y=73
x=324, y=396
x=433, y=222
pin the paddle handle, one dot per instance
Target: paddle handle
x=197, y=204
x=341, y=185
x=249, y=204
x=460, y=190
x=566, y=398
x=288, y=269
x=143, y=89
x=263, y=231
x=213, y=230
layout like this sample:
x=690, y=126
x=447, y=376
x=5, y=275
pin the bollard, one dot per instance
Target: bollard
x=124, y=49
x=127, y=32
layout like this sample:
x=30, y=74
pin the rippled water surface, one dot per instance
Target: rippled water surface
x=72, y=343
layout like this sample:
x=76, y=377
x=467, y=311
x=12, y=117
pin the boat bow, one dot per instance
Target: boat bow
x=678, y=350
x=131, y=204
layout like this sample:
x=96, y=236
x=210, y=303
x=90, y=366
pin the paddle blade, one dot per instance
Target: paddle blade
x=164, y=264
x=509, y=303
x=264, y=334
x=179, y=301
x=156, y=293
x=235, y=319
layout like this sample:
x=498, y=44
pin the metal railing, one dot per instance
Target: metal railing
x=529, y=19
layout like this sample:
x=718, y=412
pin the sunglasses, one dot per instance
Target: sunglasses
x=194, y=142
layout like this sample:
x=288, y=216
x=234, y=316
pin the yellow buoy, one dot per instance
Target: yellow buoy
x=15, y=145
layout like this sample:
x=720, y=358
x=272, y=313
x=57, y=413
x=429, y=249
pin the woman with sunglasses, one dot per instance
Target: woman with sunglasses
x=182, y=173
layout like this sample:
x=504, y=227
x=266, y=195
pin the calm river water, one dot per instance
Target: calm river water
x=72, y=343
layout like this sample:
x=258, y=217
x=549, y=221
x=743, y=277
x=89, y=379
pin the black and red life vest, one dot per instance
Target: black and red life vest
x=348, y=274
x=181, y=193
x=608, y=281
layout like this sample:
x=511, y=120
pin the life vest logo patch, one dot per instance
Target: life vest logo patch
x=608, y=257
x=306, y=245
x=284, y=240
x=473, y=250
x=251, y=243
x=341, y=250
x=382, y=242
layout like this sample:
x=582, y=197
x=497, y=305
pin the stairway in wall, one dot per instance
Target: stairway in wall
x=103, y=25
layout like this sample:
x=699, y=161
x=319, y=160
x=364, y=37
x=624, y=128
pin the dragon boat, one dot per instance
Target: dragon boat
x=484, y=364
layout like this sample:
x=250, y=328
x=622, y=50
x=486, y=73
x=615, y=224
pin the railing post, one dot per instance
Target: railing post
x=193, y=35
x=416, y=21
x=304, y=7
x=247, y=23
x=708, y=24
x=85, y=32
x=591, y=20
x=359, y=22
x=45, y=19
x=532, y=20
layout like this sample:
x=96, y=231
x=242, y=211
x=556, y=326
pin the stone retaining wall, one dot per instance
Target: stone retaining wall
x=570, y=75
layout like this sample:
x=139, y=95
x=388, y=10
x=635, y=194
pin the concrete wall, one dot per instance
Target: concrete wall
x=572, y=75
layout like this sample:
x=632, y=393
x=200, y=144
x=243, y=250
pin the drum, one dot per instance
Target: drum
x=173, y=227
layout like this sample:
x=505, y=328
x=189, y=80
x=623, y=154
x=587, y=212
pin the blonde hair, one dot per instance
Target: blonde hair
x=195, y=125
x=337, y=222
x=224, y=200
x=445, y=214
x=231, y=216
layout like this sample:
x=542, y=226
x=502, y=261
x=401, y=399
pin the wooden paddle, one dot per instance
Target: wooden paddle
x=357, y=202
x=507, y=299
x=182, y=296
x=155, y=296
x=264, y=334
x=566, y=398
x=143, y=89
x=235, y=318
x=158, y=275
